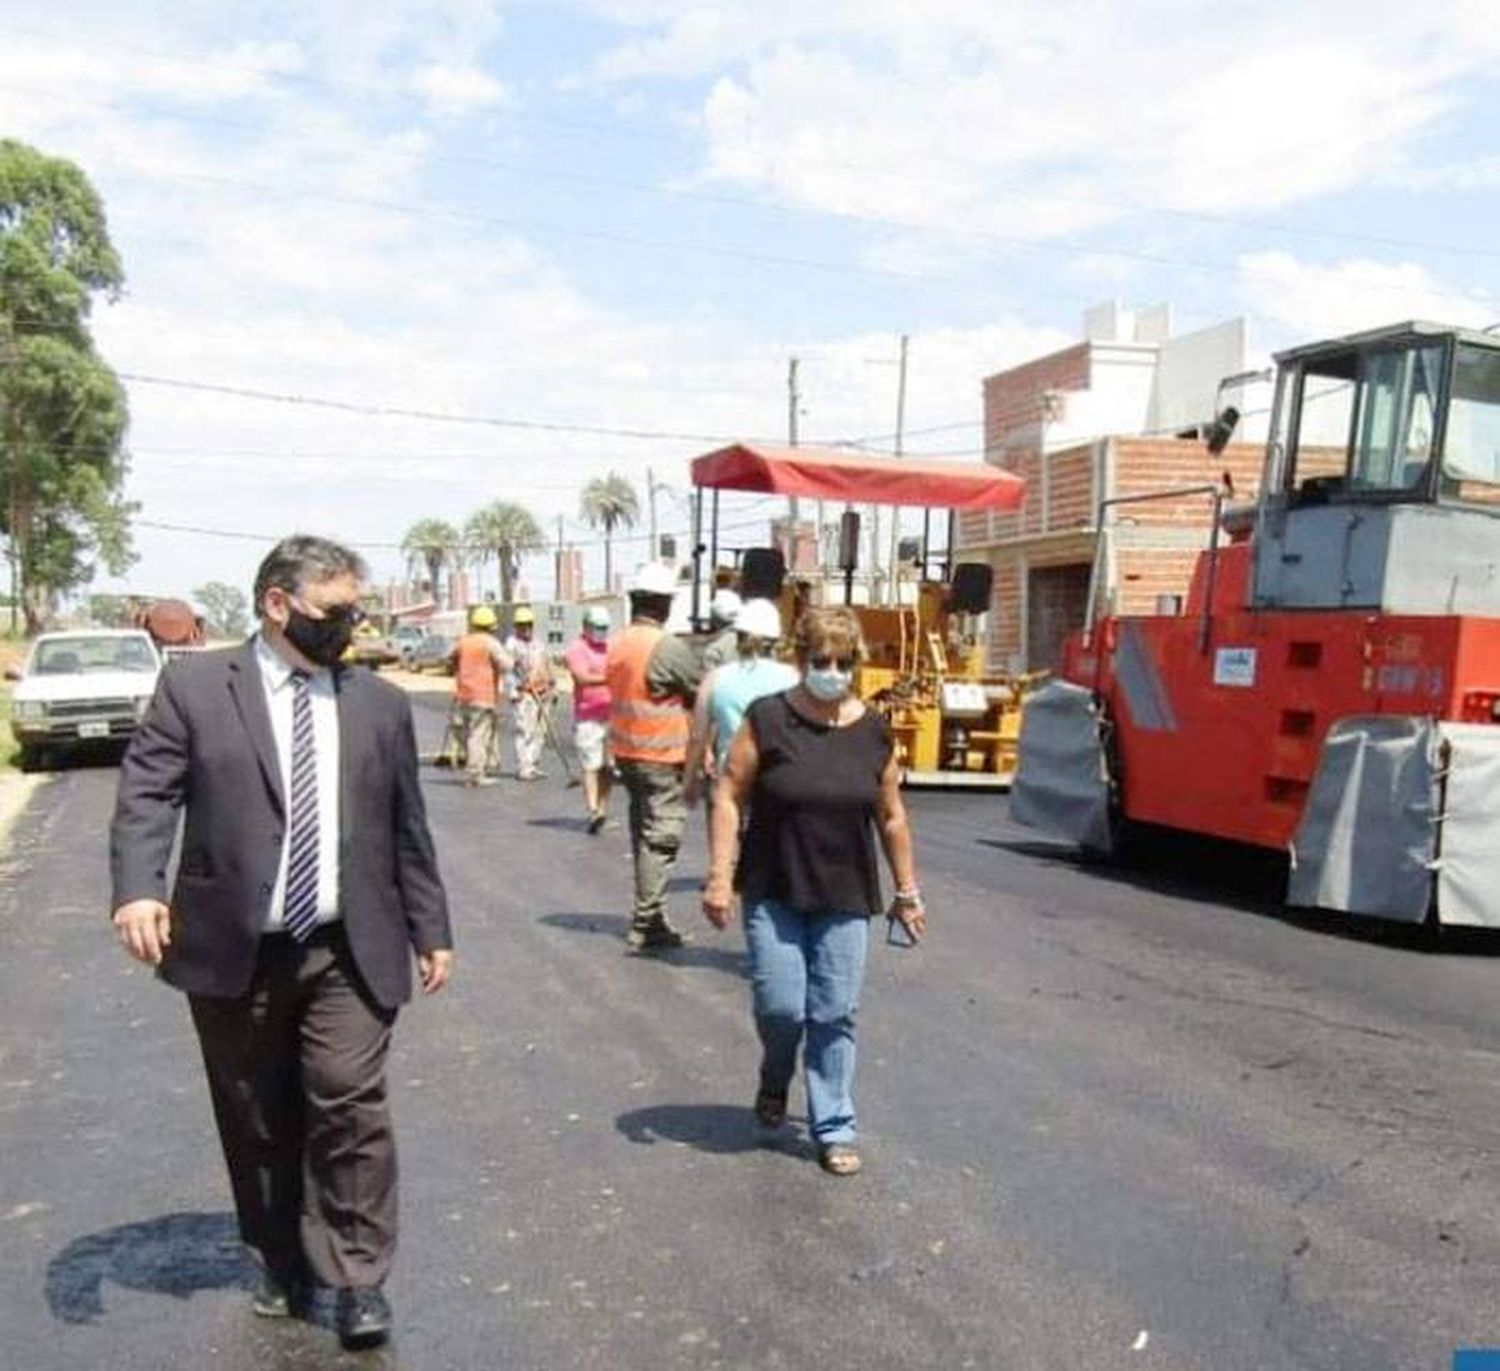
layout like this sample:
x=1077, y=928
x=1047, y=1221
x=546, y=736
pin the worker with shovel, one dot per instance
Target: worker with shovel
x=531, y=693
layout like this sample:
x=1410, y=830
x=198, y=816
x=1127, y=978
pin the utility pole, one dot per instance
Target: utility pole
x=9, y=429
x=892, y=587
x=651, y=509
x=793, y=403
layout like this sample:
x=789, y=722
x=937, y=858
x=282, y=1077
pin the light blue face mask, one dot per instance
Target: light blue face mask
x=828, y=683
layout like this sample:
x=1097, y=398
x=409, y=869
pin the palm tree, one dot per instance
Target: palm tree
x=505, y=532
x=609, y=502
x=433, y=544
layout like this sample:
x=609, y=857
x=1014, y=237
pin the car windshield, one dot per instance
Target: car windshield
x=66, y=656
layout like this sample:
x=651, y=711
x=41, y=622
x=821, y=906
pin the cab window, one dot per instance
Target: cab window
x=1471, y=448
x=1366, y=423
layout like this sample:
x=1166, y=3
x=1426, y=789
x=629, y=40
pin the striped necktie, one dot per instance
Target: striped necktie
x=300, y=907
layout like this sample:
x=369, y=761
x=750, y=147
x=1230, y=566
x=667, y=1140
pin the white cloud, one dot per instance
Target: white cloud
x=457, y=90
x=1039, y=119
x=1478, y=173
x=1305, y=301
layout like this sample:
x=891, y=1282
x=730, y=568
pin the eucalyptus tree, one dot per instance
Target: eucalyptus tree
x=62, y=409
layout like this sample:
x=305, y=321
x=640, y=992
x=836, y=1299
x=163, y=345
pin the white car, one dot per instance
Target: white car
x=80, y=687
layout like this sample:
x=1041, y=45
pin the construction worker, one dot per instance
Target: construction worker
x=479, y=663
x=531, y=687
x=723, y=610
x=653, y=678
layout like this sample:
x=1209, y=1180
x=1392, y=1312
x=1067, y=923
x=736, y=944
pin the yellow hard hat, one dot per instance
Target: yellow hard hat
x=524, y=615
x=481, y=616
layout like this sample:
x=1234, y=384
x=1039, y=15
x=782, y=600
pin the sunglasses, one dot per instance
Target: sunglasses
x=824, y=660
x=351, y=614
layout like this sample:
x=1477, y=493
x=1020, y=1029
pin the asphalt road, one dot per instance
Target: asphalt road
x=1111, y=1119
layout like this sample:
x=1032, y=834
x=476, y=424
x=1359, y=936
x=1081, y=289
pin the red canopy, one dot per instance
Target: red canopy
x=828, y=475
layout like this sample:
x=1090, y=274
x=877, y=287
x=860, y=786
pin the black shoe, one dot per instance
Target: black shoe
x=662, y=938
x=596, y=820
x=364, y=1317
x=275, y=1299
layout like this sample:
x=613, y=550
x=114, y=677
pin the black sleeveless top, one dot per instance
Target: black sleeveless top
x=810, y=843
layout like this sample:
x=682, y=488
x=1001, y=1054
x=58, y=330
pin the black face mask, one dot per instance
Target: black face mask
x=321, y=641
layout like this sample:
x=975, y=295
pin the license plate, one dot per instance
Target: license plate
x=93, y=730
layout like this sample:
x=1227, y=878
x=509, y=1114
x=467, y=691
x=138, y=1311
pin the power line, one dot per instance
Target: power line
x=376, y=546
x=1126, y=207
x=426, y=415
x=1058, y=247
x=1062, y=247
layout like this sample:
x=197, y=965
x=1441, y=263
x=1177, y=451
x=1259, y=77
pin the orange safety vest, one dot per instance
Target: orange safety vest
x=641, y=728
x=474, y=678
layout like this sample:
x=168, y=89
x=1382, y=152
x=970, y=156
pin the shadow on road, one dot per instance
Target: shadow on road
x=728, y=959
x=576, y=824
x=722, y=1128
x=1196, y=868
x=176, y=1254
x=1247, y=879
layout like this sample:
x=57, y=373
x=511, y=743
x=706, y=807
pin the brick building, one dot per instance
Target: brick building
x=567, y=565
x=1063, y=423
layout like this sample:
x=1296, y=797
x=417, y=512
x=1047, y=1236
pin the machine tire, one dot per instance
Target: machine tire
x=33, y=757
x=1125, y=835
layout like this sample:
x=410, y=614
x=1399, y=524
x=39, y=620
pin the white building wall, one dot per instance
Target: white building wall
x=1121, y=381
x=1143, y=381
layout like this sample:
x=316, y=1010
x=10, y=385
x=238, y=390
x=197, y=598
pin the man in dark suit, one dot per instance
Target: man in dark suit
x=306, y=881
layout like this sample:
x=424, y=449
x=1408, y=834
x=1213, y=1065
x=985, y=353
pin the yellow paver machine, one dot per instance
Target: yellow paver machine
x=955, y=723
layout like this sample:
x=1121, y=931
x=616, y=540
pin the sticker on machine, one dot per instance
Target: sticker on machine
x=1234, y=666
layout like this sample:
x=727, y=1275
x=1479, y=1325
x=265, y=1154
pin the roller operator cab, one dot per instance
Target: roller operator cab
x=1332, y=685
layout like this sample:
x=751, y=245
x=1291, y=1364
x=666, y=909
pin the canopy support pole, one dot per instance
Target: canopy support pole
x=713, y=543
x=697, y=554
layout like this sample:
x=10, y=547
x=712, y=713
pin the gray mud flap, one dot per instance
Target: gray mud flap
x=1062, y=780
x=1368, y=836
x=1468, y=872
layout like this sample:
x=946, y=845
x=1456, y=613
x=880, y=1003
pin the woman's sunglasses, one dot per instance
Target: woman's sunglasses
x=824, y=660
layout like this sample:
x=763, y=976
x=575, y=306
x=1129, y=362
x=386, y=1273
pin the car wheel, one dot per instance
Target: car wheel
x=32, y=757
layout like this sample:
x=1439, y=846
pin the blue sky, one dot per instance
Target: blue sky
x=630, y=213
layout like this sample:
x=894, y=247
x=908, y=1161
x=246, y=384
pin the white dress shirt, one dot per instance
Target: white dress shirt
x=276, y=676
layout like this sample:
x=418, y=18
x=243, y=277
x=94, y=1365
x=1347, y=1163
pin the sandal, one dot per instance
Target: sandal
x=770, y=1110
x=839, y=1159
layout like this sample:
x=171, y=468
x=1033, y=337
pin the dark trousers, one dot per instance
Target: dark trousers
x=296, y=1071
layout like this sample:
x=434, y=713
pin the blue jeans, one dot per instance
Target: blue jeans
x=806, y=971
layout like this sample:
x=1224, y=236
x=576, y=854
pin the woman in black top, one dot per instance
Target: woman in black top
x=818, y=772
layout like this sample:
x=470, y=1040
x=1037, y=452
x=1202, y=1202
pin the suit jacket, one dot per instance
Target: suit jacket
x=205, y=753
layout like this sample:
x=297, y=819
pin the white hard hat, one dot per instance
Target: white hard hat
x=654, y=578
x=725, y=606
x=759, y=619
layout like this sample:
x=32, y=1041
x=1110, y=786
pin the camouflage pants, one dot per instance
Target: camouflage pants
x=658, y=815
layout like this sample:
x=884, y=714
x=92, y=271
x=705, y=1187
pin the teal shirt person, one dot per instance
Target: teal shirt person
x=734, y=688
